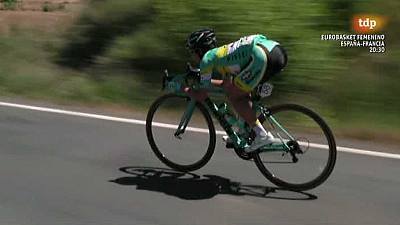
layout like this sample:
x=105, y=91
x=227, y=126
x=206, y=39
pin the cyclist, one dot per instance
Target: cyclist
x=241, y=68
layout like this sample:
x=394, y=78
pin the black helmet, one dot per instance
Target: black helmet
x=203, y=39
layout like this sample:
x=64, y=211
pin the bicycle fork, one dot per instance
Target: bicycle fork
x=187, y=115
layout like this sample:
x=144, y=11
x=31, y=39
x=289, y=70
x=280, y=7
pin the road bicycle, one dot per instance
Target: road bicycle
x=304, y=158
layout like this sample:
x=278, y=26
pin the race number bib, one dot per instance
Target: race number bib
x=265, y=89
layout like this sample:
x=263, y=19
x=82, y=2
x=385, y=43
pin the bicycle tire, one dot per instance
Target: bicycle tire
x=331, y=148
x=149, y=132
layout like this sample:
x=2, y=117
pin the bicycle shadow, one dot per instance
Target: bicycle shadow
x=190, y=186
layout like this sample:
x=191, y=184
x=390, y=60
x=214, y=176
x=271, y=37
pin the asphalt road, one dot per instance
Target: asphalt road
x=59, y=169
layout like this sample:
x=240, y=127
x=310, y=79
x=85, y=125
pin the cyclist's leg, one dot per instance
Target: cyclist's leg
x=199, y=95
x=246, y=81
x=240, y=101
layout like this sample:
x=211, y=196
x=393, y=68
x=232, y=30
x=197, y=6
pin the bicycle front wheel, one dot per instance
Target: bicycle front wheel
x=188, y=151
x=316, y=148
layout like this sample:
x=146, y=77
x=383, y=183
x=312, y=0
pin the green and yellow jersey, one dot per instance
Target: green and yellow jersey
x=243, y=60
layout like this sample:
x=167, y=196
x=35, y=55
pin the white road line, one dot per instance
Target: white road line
x=359, y=151
x=172, y=126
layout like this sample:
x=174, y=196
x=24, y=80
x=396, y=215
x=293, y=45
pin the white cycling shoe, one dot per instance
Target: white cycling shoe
x=226, y=139
x=261, y=141
x=258, y=142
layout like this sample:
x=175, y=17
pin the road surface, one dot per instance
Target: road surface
x=60, y=169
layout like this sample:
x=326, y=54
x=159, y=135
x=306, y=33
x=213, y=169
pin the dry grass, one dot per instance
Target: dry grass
x=37, y=5
x=49, y=21
x=29, y=14
x=387, y=136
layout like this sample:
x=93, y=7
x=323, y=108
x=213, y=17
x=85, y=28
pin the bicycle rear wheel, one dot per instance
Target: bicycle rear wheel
x=316, y=159
x=191, y=150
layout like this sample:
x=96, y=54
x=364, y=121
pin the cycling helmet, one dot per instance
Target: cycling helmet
x=203, y=39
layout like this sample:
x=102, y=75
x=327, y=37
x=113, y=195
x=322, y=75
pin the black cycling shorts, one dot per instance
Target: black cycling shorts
x=277, y=60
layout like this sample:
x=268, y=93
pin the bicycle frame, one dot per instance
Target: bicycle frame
x=220, y=113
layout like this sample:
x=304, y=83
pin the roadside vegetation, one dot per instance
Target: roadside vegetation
x=113, y=52
x=8, y=4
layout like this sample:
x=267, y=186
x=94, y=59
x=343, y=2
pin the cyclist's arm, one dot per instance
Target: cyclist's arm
x=208, y=82
x=213, y=82
x=217, y=83
x=207, y=73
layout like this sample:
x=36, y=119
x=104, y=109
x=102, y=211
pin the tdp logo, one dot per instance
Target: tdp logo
x=368, y=23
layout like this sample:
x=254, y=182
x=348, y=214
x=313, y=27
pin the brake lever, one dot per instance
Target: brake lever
x=165, y=78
